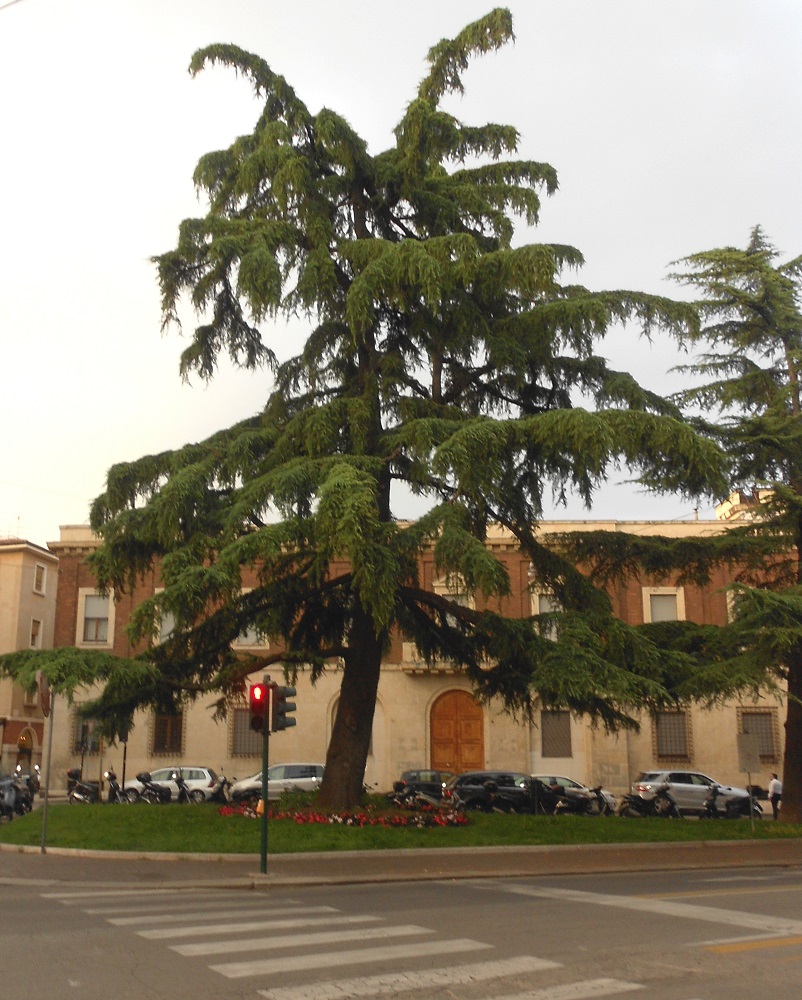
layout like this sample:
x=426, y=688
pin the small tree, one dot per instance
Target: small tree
x=440, y=356
x=748, y=389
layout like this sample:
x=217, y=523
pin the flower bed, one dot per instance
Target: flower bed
x=365, y=817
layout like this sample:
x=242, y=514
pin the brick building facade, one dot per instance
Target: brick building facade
x=424, y=716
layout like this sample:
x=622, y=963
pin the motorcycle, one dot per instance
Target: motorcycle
x=27, y=787
x=730, y=808
x=80, y=791
x=662, y=804
x=116, y=794
x=185, y=796
x=578, y=802
x=152, y=792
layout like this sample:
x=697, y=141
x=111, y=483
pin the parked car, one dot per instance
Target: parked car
x=429, y=782
x=688, y=788
x=471, y=785
x=280, y=778
x=201, y=782
x=563, y=782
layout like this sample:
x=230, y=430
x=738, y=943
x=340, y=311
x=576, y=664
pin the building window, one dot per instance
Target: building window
x=672, y=735
x=85, y=735
x=244, y=741
x=168, y=733
x=31, y=698
x=95, y=618
x=762, y=723
x=39, y=578
x=663, y=604
x=545, y=604
x=36, y=633
x=166, y=626
x=555, y=734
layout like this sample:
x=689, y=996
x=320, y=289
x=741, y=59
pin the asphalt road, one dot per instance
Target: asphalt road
x=708, y=934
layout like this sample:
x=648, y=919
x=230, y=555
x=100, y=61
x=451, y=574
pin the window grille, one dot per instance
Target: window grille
x=244, y=741
x=761, y=723
x=671, y=735
x=555, y=732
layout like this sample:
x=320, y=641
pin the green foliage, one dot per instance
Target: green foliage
x=439, y=355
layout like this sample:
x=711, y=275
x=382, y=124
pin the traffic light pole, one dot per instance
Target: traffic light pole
x=268, y=707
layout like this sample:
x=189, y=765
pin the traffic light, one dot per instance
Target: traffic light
x=258, y=698
x=282, y=708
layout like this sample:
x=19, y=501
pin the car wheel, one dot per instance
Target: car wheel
x=196, y=796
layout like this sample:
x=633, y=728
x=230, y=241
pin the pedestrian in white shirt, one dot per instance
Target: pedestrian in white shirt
x=775, y=794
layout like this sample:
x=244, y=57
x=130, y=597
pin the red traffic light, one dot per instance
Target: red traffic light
x=258, y=699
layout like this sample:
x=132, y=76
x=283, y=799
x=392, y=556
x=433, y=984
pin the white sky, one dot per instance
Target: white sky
x=674, y=127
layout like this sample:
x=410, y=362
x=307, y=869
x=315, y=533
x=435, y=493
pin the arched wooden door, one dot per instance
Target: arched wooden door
x=457, y=733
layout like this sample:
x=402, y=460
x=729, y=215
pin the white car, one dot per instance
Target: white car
x=280, y=778
x=201, y=782
x=563, y=782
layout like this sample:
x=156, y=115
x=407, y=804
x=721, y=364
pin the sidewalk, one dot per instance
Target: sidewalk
x=61, y=866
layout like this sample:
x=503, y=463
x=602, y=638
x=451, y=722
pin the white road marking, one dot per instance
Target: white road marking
x=306, y=940
x=178, y=904
x=580, y=990
x=164, y=918
x=667, y=908
x=328, y=960
x=235, y=927
x=402, y=982
x=68, y=897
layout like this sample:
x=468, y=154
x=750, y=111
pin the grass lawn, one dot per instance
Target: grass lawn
x=203, y=829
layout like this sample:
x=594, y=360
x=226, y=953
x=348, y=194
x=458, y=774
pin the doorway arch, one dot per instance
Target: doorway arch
x=457, y=733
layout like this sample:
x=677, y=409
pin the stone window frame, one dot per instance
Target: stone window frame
x=679, y=758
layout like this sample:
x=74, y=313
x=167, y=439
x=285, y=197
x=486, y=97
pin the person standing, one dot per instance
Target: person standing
x=775, y=794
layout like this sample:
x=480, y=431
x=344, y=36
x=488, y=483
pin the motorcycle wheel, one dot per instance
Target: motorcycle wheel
x=196, y=796
x=133, y=795
x=74, y=799
x=149, y=796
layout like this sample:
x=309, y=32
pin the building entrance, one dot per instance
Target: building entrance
x=457, y=733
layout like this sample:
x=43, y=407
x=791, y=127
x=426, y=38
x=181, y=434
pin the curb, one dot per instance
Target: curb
x=443, y=864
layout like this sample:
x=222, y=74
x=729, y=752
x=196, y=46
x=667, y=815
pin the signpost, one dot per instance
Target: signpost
x=749, y=761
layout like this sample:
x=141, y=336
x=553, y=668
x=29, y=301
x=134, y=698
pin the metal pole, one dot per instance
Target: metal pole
x=47, y=778
x=265, y=759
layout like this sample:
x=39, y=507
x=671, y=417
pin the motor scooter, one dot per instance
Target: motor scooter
x=185, y=796
x=80, y=791
x=152, y=792
x=116, y=794
x=222, y=791
x=9, y=795
x=662, y=804
x=735, y=808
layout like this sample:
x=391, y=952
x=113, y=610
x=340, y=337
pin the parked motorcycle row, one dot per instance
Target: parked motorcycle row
x=17, y=792
x=80, y=790
x=535, y=797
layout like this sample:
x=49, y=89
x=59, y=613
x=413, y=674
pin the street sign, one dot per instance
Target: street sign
x=748, y=753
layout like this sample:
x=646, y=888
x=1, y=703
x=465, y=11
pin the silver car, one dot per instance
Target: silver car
x=201, y=782
x=688, y=788
x=280, y=778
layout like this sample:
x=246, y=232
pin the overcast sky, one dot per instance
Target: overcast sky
x=674, y=127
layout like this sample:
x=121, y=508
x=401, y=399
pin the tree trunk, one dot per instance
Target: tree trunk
x=350, y=739
x=792, y=769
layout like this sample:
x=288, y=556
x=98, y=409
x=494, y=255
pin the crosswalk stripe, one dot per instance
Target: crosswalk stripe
x=300, y=963
x=184, y=907
x=306, y=941
x=68, y=897
x=164, y=918
x=402, y=982
x=236, y=927
x=581, y=990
